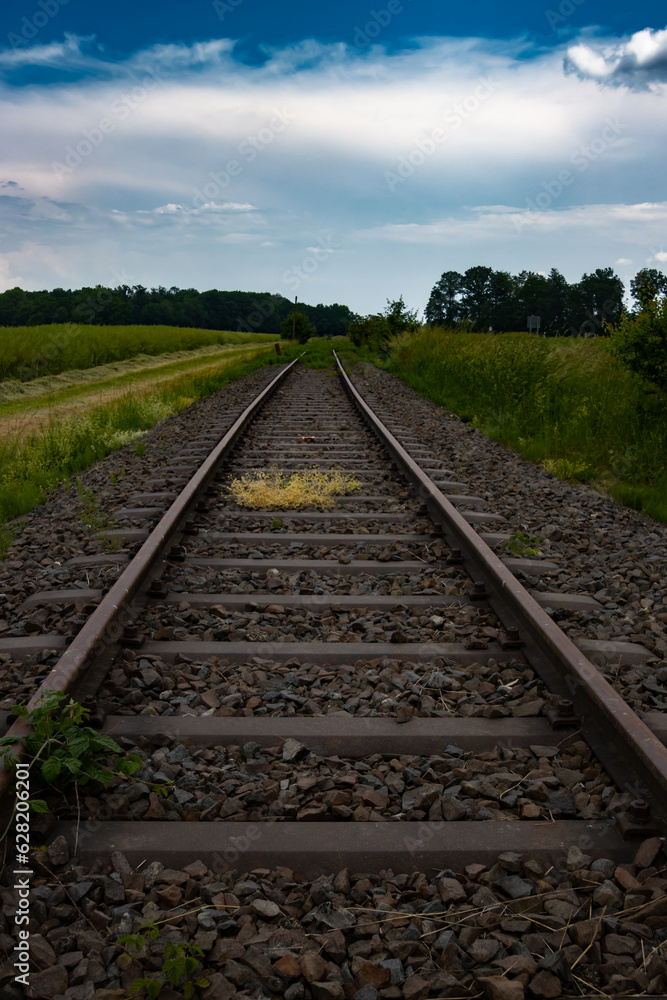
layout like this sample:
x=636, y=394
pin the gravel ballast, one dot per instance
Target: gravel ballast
x=517, y=929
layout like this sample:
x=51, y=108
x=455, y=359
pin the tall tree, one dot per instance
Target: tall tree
x=502, y=299
x=443, y=307
x=647, y=284
x=600, y=300
x=476, y=301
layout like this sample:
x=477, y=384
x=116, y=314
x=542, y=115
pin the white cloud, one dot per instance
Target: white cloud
x=30, y=259
x=226, y=206
x=7, y=279
x=81, y=52
x=194, y=141
x=62, y=54
x=639, y=61
x=341, y=121
x=509, y=222
x=210, y=206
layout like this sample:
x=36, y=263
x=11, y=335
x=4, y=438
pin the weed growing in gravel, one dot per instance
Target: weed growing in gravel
x=462, y=464
x=65, y=749
x=93, y=517
x=139, y=448
x=7, y=536
x=521, y=544
x=180, y=969
x=291, y=490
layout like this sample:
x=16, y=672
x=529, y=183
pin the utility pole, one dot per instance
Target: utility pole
x=294, y=320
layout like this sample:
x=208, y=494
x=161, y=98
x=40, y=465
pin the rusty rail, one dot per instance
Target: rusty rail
x=104, y=620
x=620, y=730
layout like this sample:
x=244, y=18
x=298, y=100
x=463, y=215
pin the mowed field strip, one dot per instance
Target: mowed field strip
x=28, y=407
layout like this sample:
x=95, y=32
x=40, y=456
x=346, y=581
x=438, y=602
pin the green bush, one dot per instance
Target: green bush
x=369, y=331
x=300, y=326
x=640, y=343
x=375, y=331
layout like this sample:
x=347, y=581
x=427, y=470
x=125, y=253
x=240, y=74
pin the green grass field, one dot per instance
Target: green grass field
x=65, y=444
x=28, y=352
x=561, y=402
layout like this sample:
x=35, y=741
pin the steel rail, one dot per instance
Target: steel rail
x=621, y=727
x=105, y=619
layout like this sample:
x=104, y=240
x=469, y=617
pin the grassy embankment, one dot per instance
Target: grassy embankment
x=561, y=402
x=72, y=421
x=29, y=406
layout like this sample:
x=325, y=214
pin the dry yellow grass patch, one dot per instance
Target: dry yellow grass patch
x=279, y=490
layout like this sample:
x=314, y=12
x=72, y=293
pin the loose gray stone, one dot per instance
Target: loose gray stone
x=78, y=890
x=246, y=888
x=603, y=865
x=57, y=851
x=367, y=992
x=293, y=750
x=514, y=887
x=395, y=967
x=266, y=909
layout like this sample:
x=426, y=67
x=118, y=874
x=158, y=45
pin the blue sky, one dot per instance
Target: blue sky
x=345, y=153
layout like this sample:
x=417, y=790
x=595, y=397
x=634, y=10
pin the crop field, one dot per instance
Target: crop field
x=28, y=352
x=80, y=418
x=26, y=406
x=562, y=402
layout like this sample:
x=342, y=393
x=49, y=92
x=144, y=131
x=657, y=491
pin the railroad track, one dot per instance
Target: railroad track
x=366, y=689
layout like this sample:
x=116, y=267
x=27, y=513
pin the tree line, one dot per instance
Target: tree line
x=483, y=299
x=126, y=305
x=480, y=299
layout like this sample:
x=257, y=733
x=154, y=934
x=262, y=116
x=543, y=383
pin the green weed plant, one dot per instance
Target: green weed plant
x=92, y=515
x=521, y=544
x=181, y=967
x=63, y=748
x=7, y=536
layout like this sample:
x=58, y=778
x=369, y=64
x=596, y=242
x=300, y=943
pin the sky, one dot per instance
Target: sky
x=337, y=153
